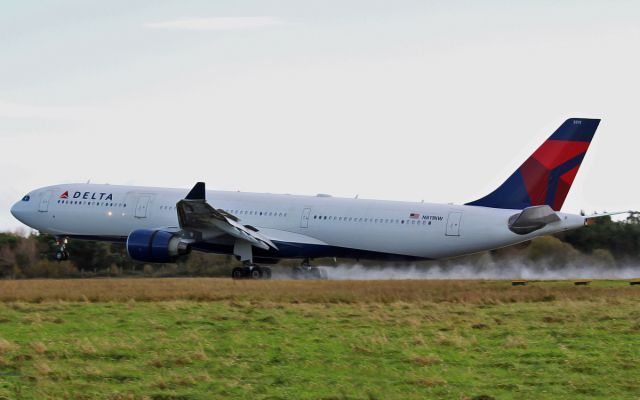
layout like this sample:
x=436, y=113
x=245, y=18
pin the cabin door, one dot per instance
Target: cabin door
x=44, y=201
x=453, y=224
x=141, y=207
x=304, y=221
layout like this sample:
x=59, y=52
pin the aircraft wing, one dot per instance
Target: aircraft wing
x=198, y=217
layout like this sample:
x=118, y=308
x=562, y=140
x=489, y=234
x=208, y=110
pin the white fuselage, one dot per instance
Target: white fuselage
x=304, y=226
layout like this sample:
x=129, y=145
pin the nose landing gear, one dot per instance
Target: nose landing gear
x=62, y=254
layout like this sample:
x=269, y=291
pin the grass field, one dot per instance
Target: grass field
x=216, y=338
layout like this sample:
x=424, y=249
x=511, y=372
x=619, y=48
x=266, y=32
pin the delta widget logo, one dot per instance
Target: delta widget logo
x=88, y=195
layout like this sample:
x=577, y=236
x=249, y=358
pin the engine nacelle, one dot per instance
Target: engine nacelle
x=155, y=246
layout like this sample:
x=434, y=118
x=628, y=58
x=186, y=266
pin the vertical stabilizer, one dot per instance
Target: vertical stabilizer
x=546, y=177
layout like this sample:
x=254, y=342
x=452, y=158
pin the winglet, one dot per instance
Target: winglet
x=197, y=193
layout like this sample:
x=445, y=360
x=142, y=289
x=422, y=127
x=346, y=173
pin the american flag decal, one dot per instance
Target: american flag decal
x=414, y=216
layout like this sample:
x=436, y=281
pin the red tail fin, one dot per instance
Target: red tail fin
x=546, y=176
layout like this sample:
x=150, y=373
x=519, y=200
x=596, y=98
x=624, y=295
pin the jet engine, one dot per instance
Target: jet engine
x=156, y=246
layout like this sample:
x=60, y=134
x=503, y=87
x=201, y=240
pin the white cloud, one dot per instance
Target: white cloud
x=218, y=23
x=27, y=111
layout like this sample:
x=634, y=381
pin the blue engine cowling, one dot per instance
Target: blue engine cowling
x=155, y=246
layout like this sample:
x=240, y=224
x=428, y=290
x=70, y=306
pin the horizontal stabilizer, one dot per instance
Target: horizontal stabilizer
x=531, y=219
x=608, y=214
x=590, y=219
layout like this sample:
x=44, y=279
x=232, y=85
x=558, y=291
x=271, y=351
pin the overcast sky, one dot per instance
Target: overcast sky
x=403, y=100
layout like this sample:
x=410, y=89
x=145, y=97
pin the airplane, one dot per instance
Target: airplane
x=160, y=225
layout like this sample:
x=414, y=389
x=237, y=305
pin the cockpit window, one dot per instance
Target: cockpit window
x=26, y=198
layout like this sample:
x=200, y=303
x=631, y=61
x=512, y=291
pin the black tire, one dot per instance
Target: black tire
x=236, y=273
x=266, y=273
x=59, y=256
x=256, y=273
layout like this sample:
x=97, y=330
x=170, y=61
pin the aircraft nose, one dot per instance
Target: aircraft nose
x=17, y=211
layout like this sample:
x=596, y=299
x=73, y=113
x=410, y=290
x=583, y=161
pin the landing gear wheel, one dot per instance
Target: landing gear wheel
x=62, y=255
x=306, y=271
x=236, y=273
x=314, y=273
x=256, y=273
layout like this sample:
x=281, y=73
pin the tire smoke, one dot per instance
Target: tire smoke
x=468, y=271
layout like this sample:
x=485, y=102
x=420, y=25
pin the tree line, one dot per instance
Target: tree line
x=605, y=243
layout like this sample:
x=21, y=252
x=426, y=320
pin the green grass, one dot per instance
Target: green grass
x=262, y=349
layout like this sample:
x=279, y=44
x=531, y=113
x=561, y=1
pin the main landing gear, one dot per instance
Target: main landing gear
x=62, y=254
x=306, y=271
x=251, y=271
